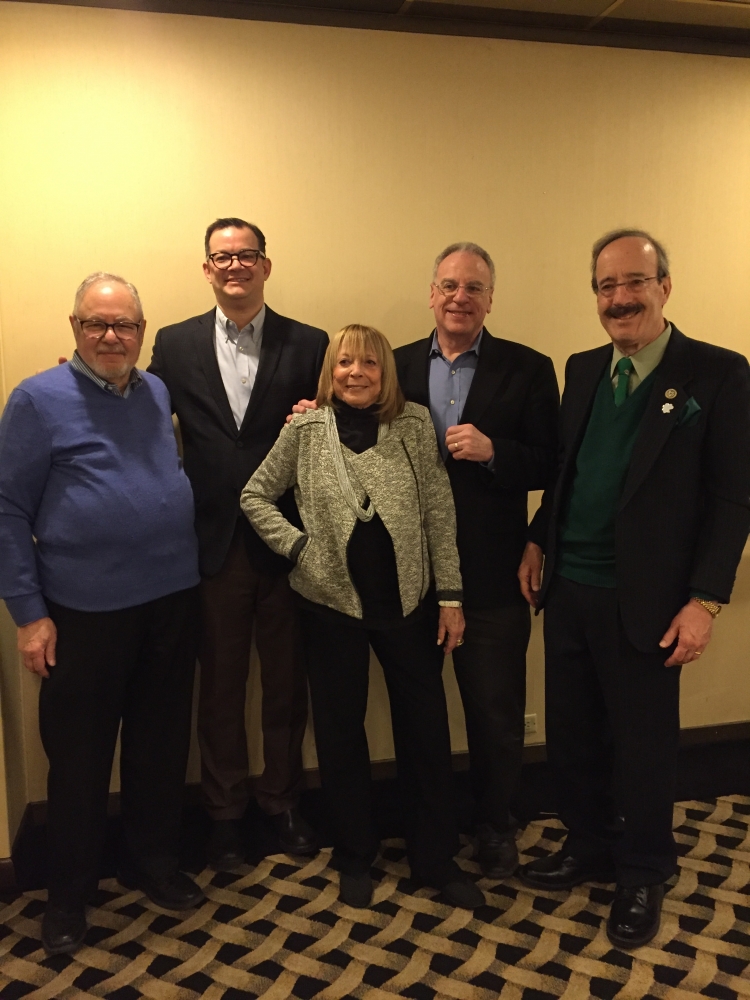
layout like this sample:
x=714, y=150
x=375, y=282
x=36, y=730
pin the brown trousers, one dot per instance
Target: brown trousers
x=231, y=601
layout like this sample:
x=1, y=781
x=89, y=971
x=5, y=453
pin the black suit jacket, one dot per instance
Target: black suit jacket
x=684, y=514
x=219, y=459
x=514, y=400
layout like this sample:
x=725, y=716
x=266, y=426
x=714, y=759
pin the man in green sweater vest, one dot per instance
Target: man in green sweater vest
x=640, y=538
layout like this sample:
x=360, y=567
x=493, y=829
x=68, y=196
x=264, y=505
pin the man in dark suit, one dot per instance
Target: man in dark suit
x=494, y=404
x=233, y=375
x=641, y=536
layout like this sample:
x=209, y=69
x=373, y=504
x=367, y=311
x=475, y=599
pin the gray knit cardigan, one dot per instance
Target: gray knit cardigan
x=404, y=477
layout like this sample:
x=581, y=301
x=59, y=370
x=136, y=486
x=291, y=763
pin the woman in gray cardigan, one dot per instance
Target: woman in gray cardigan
x=376, y=565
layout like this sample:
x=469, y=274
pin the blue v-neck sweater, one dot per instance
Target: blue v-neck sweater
x=95, y=511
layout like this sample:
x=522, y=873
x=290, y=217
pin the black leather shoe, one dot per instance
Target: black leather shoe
x=496, y=853
x=174, y=892
x=295, y=834
x=355, y=890
x=457, y=887
x=563, y=871
x=63, y=930
x=635, y=915
x=225, y=849
x=463, y=893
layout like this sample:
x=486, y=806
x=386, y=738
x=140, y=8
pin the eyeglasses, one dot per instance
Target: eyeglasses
x=608, y=288
x=97, y=328
x=474, y=289
x=247, y=258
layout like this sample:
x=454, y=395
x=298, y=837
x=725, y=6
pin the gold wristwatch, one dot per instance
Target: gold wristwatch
x=711, y=606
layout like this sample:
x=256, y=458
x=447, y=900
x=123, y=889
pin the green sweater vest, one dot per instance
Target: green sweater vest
x=587, y=534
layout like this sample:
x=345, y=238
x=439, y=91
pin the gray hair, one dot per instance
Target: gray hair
x=465, y=248
x=99, y=277
x=662, y=260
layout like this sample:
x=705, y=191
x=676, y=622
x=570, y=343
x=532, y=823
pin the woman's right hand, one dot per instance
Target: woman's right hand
x=450, y=629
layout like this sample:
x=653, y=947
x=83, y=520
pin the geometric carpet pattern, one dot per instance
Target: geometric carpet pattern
x=278, y=930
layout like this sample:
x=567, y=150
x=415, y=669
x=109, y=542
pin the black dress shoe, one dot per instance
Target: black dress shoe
x=456, y=886
x=295, y=834
x=355, y=890
x=173, y=892
x=225, y=849
x=63, y=930
x=563, y=871
x=463, y=893
x=635, y=915
x=496, y=853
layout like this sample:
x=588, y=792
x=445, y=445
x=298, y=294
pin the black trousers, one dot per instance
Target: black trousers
x=134, y=666
x=613, y=725
x=491, y=673
x=338, y=658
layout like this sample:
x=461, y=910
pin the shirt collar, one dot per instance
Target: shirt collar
x=645, y=360
x=435, y=351
x=80, y=365
x=229, y=328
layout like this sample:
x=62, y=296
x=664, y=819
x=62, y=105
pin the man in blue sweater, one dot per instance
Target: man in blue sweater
x=99, y=569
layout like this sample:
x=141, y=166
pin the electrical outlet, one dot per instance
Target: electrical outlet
x=529, y=723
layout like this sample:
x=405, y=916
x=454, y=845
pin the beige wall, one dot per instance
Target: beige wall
x=361, y=154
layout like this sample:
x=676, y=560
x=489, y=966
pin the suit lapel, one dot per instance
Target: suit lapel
x=204, y=344
x=581, y=398
x=415, y=382
x=577, y=401
x=270, y=354
x=672, y=374
x=492, y=372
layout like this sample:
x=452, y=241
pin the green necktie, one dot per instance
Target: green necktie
x=623, y=368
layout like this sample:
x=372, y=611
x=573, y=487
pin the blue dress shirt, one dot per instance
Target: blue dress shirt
x=450, y=382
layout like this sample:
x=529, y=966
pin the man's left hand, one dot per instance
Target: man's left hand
x=465, y=441
x=302, y=407
x=691, y=627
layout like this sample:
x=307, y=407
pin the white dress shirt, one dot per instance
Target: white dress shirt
x=238, y=354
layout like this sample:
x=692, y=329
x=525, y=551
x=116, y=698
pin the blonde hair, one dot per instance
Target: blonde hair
x=360, y=341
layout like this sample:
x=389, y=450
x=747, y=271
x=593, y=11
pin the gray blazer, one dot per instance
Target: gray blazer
x=404, y=477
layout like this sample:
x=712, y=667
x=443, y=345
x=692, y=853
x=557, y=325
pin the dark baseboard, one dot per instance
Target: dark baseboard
x=7, y=876
x=714, y=760
x=727, y=732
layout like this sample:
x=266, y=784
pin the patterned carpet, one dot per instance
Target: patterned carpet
x=278, y=931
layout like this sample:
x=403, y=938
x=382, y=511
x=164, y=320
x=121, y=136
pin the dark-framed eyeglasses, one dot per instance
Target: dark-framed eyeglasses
x=97, y=328
x=608, y=288
x=449, y=288
x=247, y=258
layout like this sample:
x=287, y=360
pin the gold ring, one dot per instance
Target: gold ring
x=459, y=642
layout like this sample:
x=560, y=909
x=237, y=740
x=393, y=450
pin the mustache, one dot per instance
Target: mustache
x=620, y=312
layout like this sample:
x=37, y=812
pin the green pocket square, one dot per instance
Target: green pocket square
x=689, y=414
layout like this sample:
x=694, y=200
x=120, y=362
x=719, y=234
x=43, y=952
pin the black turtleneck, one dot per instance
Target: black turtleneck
x=370, y=554
x=358, y=428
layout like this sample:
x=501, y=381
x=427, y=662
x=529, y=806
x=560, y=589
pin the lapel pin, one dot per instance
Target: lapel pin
x=670, y=393
x=667, y=408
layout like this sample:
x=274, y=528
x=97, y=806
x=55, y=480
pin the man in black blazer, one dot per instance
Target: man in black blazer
x=494, y=404
x=233, y=375
x=641, y=536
